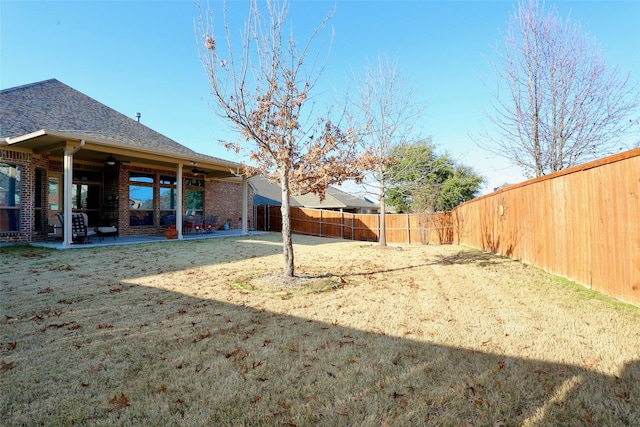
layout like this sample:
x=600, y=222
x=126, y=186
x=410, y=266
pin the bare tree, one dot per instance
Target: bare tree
x=261, y=86
x=563, y=104
x=386, y=106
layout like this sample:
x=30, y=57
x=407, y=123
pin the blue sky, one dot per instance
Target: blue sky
x=141, y=56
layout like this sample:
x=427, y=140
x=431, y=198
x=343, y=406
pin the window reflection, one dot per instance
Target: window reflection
x=10, y=197
x=140, y=205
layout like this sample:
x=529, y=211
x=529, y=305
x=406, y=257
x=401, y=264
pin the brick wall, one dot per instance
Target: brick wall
x=27, y=178
x=224, y=198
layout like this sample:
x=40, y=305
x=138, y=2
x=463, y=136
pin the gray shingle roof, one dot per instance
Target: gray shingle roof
x=270, y=194
x=335, y=198
x=53, y=106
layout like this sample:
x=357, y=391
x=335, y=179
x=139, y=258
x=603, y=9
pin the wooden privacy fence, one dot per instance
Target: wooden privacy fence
x=582, y=223
x=400, y=228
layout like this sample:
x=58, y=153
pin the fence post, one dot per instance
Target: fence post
x=408, y=230
x=353, y=230
x=341, y=224
x=266, y=217
x=320, y=224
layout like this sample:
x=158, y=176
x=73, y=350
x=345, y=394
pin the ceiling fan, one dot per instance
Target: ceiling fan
x=197, y=171
x=110, y=160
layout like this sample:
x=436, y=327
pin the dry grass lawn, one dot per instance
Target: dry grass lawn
x=199, y=333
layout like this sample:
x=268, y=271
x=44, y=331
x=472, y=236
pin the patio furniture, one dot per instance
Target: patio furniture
x=103, y=232
x=210, y=224
x=169, y=222
x=80, y=231
x=80, y=228
x=194, y=223
x=54, y=230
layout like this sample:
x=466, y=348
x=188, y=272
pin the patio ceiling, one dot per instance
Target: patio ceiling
x=98, y=147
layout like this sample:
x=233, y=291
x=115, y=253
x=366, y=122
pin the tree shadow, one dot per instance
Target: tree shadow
x=474, y=257
x=498, y=236
x=464, y=256
x=494, y=233
x=158, y=257
x=180, y=359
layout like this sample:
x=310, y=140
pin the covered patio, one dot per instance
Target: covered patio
x=64, y=154
x=73, y=147
x=95, y=242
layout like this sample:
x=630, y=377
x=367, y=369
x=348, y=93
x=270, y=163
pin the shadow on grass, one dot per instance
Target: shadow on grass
x=464, y=256
x=144, y=356
x=471, y=256
x=160, y=257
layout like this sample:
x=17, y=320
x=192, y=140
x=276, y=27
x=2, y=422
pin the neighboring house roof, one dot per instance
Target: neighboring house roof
x=267, y=193
x=50, y=109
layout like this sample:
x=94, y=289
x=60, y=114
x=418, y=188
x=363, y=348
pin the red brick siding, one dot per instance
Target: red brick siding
x=224, y=198
x=123, y=200
x=27, y=187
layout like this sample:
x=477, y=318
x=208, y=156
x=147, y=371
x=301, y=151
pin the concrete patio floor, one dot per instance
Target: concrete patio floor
x=134, y=240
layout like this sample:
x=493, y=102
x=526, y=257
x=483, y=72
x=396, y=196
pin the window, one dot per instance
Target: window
x=55, y=201
x=10, y=197
x=167, y=200
x=38, y=202
x=194, y=196
x=140, y=205
x=85, y=197
x=193, y=202
x=141, y=201
x=168, y=180
x=142, y=178
x=86, y=176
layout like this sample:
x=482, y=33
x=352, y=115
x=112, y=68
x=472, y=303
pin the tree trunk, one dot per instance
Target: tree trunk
x=287, y=243
x=382, y=240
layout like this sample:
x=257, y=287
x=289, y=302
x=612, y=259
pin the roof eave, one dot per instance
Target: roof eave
x=26, y=137
x=234, y=168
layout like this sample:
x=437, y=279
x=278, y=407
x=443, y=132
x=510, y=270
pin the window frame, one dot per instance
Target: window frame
x=194, y=185
x=13, y=212
x=142, y=181
x=167, y=183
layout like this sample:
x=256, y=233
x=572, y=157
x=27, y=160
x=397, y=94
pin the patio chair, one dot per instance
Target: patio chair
x=80, y=228
x=168, y=221
x=194, y=223
x=54, y=230
x=210, y=224
x=80, y=231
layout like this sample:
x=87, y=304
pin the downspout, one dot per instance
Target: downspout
x=68, y=187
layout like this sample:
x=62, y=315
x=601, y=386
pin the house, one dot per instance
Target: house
x=270, y=194
x=62, y=152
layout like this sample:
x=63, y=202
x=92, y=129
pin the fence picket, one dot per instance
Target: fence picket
x=582, y=223
x=437, y=228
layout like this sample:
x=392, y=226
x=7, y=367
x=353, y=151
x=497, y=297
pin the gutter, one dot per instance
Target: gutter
x=75, y=150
